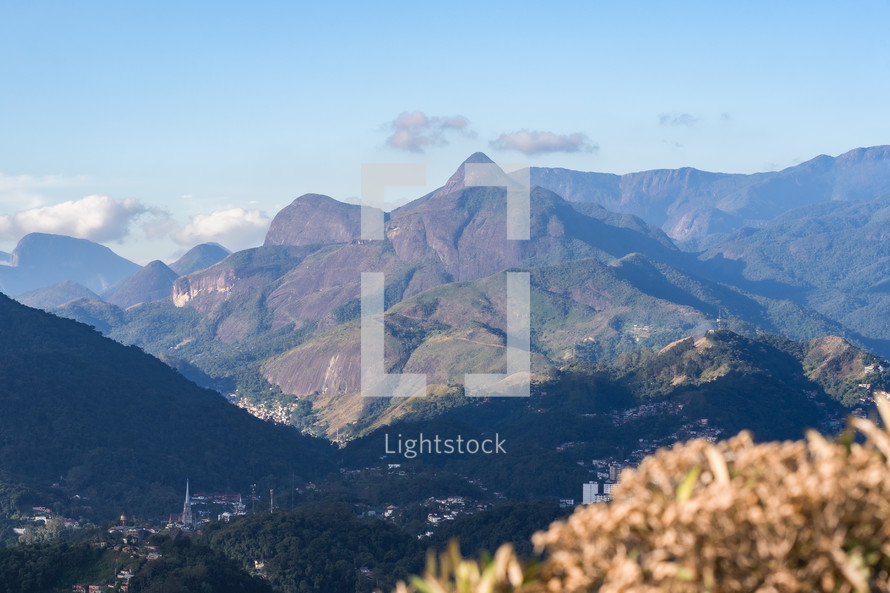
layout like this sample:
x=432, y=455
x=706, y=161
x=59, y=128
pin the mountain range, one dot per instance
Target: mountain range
x=281, y=321
x=835, y=255
x=694, y=207
x=50, y=270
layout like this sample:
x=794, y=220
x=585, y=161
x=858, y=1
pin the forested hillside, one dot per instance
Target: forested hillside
x=86, y=416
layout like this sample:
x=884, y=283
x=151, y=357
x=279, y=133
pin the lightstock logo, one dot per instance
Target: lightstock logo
x=375, y=381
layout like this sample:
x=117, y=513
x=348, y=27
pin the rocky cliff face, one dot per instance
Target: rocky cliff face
x=327, y=366
x=459, y=180
x=331, y=278
x=203, y=289
x=241, y=275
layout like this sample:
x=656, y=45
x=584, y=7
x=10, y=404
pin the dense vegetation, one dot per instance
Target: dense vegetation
x=39, y=569
x=320, y=548
x=182, y=566
x=833, y=257
x=769, y=385
x=187, y=566
x=122, y=430
x=508, y=523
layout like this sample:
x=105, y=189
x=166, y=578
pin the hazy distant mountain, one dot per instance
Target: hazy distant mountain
x=56, y=295
x=151, y=283
x=4, y=257
x=121, y=429
x=41, y=260
x=691, y=205
x=625, y=221
x=836, y=255
x=199, y=257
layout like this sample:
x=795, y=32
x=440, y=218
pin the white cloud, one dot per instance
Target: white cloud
x=97, y=218
x=678, y=119
x=416, y=131
x=538, y=142
x=235, y=228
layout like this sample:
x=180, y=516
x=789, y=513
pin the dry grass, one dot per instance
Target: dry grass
x=811, y=515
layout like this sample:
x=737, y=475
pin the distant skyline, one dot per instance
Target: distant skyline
x=150, y=127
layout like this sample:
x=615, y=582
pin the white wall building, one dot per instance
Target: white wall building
x=590, y=492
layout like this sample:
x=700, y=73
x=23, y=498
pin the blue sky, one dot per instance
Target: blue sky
x=153, y=126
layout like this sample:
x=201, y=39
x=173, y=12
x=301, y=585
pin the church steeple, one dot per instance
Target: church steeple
x=187, y=507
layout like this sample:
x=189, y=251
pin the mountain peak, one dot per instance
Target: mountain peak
x=314, y=219
x=457, y=181
x=152, y=283
x=199, y=257
x=317, y=200
x=478, y=157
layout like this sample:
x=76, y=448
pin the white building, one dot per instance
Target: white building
x=590, y=492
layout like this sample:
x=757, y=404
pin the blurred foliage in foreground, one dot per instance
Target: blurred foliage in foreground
x=737, y=516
